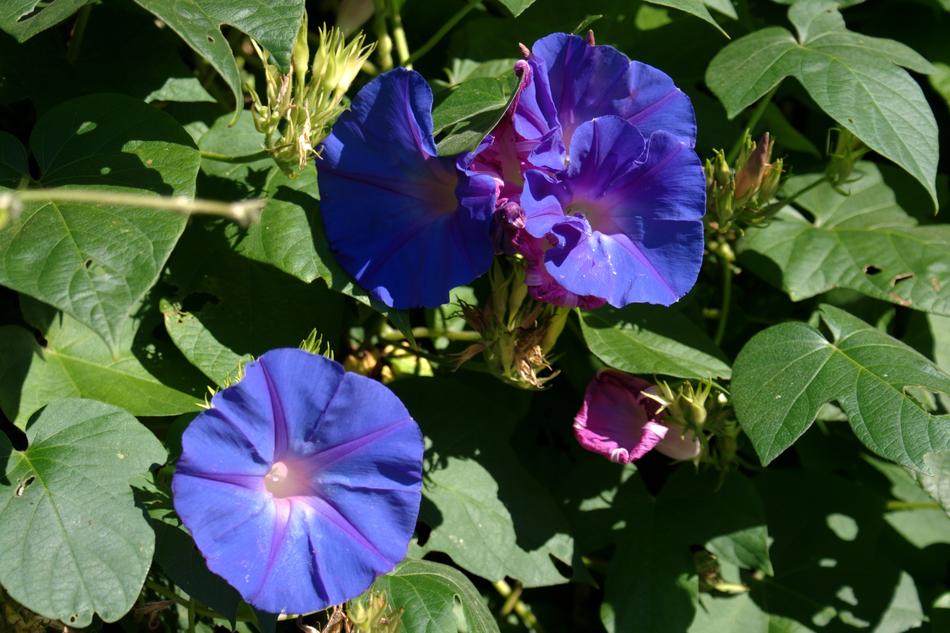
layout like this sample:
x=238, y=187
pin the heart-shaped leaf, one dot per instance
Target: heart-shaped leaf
x=72, y=542
x=786, y=373
x=96, y=261
x=856, y=79
x=860, y=239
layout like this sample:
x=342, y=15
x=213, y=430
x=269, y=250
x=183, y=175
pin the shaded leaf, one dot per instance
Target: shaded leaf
x=652, y=584
x=860, y=239
x=96, y=261
x=13, y=161
x=937, y=484
x=272, y=23
x=785, y=373
x=485, y=510
x=216, y=321
x=145, y=377
x=72, y=541
x=855, y=78
x=644, y=339
x=433, y=597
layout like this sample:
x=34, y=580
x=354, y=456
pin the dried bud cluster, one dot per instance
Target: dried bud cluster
x=299, y=111
x=517, y=331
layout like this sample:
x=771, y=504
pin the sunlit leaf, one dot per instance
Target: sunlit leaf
x=72, y=541
x=785, y=373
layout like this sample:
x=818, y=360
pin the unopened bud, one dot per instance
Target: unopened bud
x=752, y=171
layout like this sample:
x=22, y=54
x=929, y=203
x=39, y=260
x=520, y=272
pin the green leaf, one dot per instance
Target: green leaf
x=485, y=510
x=859, y=239
x=25, y=18
x=71, y=538
x=235, y=137
x=472, y=110
x=145, y=377
x=517, y=7
x=644, y=339
x=856, y=79
x=651, y=583
x=937, y=484
x=698, y=9
x=272, y=23
x=216, y=322
x=13, y=161
x=841, y=521
x=940, y=80
x=433, y=597
x=785, y=373
x=96, y=261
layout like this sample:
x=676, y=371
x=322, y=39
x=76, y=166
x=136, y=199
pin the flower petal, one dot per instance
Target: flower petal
x=407, y=224
x=592, y=81
x=615, y=420
x=631, y=215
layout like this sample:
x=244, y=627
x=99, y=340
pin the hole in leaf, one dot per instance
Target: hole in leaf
x=198, y=300
x=23, y=485
x=871, y=270
x=902, y=277
x=87, y=264
x=211, y=39
x=33, y=13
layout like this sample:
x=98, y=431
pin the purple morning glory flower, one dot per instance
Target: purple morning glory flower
x=301, y=484
x=596, y=155
x=625, y=216
x=618, y=421
x=408, y=224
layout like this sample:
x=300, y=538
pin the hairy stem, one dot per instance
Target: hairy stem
x=726, y=257
x=241, y=158
x=522, y=610
x=243, y=212
x=79, y=31
x=424, y=332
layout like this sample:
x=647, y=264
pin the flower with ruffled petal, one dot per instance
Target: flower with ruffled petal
x=301, y=484
x=409, y=225
x=618, y=421
x=625, y=217
x=598, y=152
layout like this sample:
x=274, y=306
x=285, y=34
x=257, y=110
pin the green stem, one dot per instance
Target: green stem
x=726, y=263
x=520, y=608
x=243, y=212
x=753, y=121
x=399, y=38
x=170, y=594
x=424, y=332
x=384, y=43
x=192, y=606
x=72, y=52
x=242, y=158
x=448, y=26
x=912, y=505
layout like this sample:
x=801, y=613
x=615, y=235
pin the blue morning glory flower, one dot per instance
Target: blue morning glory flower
x=301, y=484
x=408, y=224
x=596, y=160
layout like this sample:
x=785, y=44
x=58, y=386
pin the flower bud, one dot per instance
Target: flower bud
x=752, y=170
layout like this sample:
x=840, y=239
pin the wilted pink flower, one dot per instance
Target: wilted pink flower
x=617, y=420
